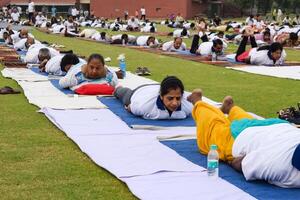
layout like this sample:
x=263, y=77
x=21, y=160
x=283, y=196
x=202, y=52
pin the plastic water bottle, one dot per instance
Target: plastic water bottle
x=213, y=162
x=122, y=64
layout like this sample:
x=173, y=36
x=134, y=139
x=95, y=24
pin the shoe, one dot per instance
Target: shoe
x=146, y=71
x=139, y=71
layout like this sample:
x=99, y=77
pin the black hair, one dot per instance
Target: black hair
x=217, y=42
x=271, y=48
x=221, y=32
x=97, y=57
x=267, y=33
x=177, y=38
x=293, y=36
x=169, y=83
x=152, y=29
x=124, y=37
x=150, y=37
x=192, y=25
x=184, y=32
x=103, y=34
x=68, y=59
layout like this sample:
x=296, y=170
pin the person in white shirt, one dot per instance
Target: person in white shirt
x=250, y=21
x=208, y=49
x=59, y=65
x=37, y=53
x=71, y=27
x=176, y=45
x=267, y=149
x=25, y=43
x=15, y=15
x=148, y=28
x=23, y=33
x=94, y=72
x=133, y=24
x=123, y=39
x=147, y=41
x=143, y=13
x=88, y=33
x=74, y=12
x=102, y=37
x=181, y=33
x=270, y=55
x=31, y=10
x=40, y=19
x=165, y=101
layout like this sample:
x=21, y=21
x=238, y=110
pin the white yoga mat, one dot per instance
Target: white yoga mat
x=130, y=155
x=22, y=74
x=187, y=185
x=289, y=72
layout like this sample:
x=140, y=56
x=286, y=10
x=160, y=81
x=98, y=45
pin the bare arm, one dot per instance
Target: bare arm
x=236, y=163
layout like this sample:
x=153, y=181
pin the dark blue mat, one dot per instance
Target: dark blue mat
x=117, y=107
x=37, y=70
x=22, y=53
x=258, y=189
x=55, y=83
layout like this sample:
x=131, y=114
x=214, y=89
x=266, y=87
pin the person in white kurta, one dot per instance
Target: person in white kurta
x=268, y=152
x=32, y=55
x=61, y=64
x=146, y=40
x=176, y=45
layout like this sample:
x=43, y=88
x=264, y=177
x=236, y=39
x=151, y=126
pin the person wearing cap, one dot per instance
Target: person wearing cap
x=266, y=149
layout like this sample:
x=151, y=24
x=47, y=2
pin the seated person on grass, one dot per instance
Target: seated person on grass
x=261, y=149
x=270, y=55
x=94, y=72
x=154, y=101
x=61, y=64
x=176, y=45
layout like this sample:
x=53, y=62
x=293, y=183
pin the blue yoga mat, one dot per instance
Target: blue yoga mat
x=37, y=70
x=258, y=189
x=55, y=83
x=117, y=107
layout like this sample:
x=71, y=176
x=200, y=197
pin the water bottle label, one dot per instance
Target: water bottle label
x=213, y=164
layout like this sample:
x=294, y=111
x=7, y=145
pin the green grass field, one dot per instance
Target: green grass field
x=39, y=162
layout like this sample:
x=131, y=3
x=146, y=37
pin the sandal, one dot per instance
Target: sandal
x=8, y=90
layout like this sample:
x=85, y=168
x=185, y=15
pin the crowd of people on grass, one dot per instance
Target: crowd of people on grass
x=261, y=149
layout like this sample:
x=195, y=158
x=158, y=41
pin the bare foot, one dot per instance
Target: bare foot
x=227, y=104
x=195, y=96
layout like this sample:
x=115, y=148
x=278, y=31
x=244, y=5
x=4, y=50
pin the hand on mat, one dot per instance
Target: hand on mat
x=43, y=65
x=195, y=96
x=236, y=163
x=128, y=108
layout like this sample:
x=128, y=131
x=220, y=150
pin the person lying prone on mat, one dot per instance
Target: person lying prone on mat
x=207, y=49
x=94, y=72
x=154, y=101
x=269, y=55
x=266, y=149
x=176, y=45
x=61, y=64
x=37, y=53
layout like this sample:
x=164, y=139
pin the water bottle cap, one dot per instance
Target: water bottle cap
x=213, y=147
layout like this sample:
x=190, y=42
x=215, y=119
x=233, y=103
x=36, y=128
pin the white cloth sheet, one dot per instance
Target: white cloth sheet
x=130, y=155
x=290, y=72
x=22, y=74
x=187, y=185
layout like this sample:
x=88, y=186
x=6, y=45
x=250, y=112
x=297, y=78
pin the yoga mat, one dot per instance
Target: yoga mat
x=37, y=70
x=55, y=83
x=117, y=107
x=259, y=189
